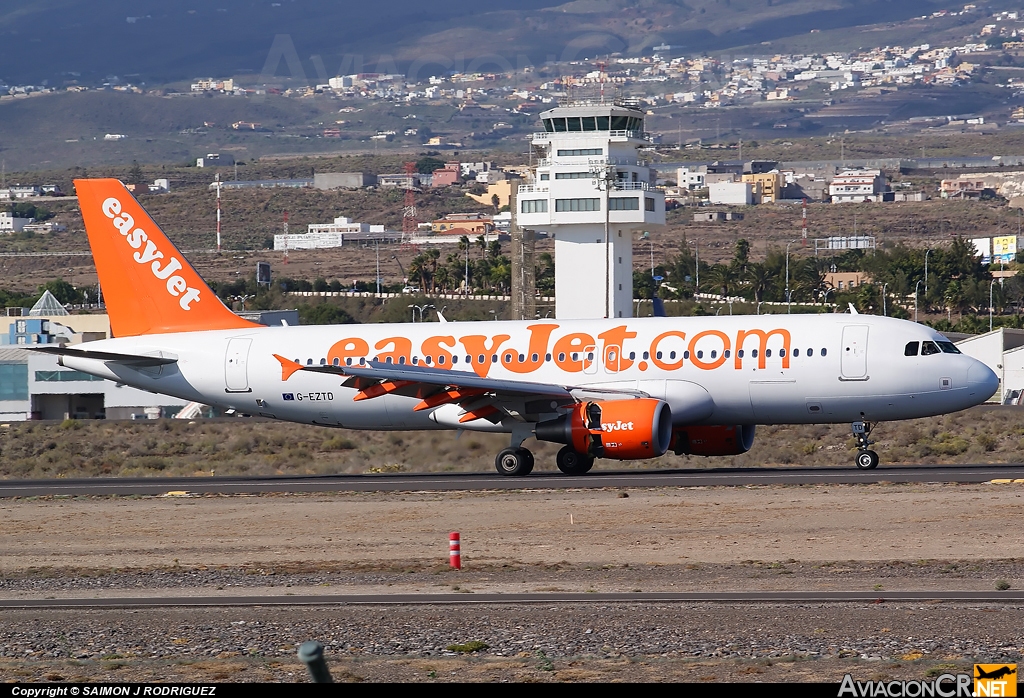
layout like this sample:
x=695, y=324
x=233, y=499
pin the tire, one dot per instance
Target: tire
x=514, y=462
x=572, y=463
x=529, y=460
x=867, y=460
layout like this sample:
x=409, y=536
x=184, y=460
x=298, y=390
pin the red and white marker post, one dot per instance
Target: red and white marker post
x=454, y=551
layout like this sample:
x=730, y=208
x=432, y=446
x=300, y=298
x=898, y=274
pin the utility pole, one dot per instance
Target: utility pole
x=217, y=182
x=285, y=237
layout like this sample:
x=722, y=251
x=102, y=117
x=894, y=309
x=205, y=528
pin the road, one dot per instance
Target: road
x=736, y=477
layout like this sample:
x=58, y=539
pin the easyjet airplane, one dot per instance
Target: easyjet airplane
x=606, y=388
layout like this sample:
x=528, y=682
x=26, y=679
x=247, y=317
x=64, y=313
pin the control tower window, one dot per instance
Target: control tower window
x=602, y=123
x=620, y=123
x=547, y=125
x=574, y=123
x=589, y=123
x=559, y=125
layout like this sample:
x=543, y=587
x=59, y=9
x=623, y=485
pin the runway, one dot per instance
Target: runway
x=1012, y=596
x=736, y=477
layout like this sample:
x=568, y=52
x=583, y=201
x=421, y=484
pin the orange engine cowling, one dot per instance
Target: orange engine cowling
x=620, y=429
x=713, y=440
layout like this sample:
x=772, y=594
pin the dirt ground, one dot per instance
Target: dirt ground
x=880, y=537
x=654, y=526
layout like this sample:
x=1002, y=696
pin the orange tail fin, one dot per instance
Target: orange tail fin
x=148, y=285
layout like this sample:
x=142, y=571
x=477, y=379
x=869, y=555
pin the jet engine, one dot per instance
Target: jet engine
x=713, y=440
x=620, y=429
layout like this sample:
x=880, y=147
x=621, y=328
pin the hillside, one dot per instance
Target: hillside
x=149, y=42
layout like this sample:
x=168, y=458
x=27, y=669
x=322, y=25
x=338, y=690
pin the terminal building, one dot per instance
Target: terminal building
x=35, y=386
x=591, y=189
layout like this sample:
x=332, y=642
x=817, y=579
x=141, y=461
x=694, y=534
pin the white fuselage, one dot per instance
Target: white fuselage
x=793, y=369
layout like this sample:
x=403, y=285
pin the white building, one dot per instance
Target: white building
x=691, y=176
x=731, y=193
x=324, y=235
x=10, y=224
x=591, y=188
x=856, y=186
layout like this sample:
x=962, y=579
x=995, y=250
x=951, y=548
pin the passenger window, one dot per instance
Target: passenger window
x=796, y=352
x=561, y=356
x=824, y=351
x=494, y=358
x=768, y=353
x=911, y=349
x=726, y=353
x=658, y=355
x=671, y=355
x=523, y=358
x=440, y=360
x=714, y=353
x=929, y=348
x=632, y=355
x=753, y=353
x=782, y=353
x=547, y=357
x=686, y=355
x=700, y=354
x=739, y=353
x=533, y=357
x=647, y=355
x=508, y=358
x=810, y=352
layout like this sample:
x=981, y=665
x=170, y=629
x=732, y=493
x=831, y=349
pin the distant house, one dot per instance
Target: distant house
x=447, y=176
x=856, y=186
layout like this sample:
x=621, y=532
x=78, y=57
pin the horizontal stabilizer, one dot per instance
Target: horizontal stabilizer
x=127, y=359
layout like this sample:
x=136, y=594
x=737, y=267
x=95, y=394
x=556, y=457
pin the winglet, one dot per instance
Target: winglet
x=288, y=367
x=149, y=286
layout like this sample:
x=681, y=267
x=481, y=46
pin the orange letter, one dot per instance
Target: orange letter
x=351, y=348
x=612, y=348
x=539, y=335
x=704, y=365
x=564, y=348
x=742, y=335
x=476, y=345
x=402, y=349
x=432, y=348
x=663, y=365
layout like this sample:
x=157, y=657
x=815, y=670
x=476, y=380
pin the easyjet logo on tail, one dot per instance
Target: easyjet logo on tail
x=149, y=254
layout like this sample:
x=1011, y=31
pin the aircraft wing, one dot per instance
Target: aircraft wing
x=138, y=360
x=478, y=395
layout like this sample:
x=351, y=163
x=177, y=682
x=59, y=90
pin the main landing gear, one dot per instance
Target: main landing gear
x=514, y=462
x=518, y=462
x=866, y=458
x=571, y=462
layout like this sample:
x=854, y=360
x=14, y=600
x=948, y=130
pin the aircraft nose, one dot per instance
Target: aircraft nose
x=982, y=381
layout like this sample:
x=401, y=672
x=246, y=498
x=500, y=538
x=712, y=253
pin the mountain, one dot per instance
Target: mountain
x=146, y=41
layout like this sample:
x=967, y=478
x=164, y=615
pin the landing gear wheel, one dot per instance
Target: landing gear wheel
x=572, y=463
x=867, y=460
x=514, y=462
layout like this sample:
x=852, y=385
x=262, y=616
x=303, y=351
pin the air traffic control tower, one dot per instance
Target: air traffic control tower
x=591, y=189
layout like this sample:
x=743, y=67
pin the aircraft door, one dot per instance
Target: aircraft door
x=854, y=363
x=612, y=358
x=236, y=363
x=590, y=360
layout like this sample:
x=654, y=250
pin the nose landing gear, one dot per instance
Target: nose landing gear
x=866, y=458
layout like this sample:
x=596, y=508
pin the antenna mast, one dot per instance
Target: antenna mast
x=409, y=206
x=217, y=181
x=285, y=237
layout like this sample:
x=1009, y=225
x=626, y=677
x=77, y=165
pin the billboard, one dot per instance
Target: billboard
x=983, y=247
x=1004, y=249
x=263, y=273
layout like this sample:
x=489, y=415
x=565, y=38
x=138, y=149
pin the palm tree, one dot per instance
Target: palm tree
x=723, y=277
x=760, y=279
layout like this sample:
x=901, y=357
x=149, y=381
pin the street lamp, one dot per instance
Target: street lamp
x=926, y=273
x=990, y=287
x=650, y=245
x=918, y=286
x=789, y=300
x=696, y=266
x=884, y=286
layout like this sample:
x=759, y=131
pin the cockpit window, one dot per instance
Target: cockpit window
x=911, y=349
x=929, y=348
x=948, y=348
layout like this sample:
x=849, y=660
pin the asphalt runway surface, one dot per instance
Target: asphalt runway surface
x=737, y=477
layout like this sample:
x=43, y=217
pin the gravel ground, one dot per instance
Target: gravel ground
x=567, y=642
x=877, y=537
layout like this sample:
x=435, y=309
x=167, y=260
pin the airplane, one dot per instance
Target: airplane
x=619, y=388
